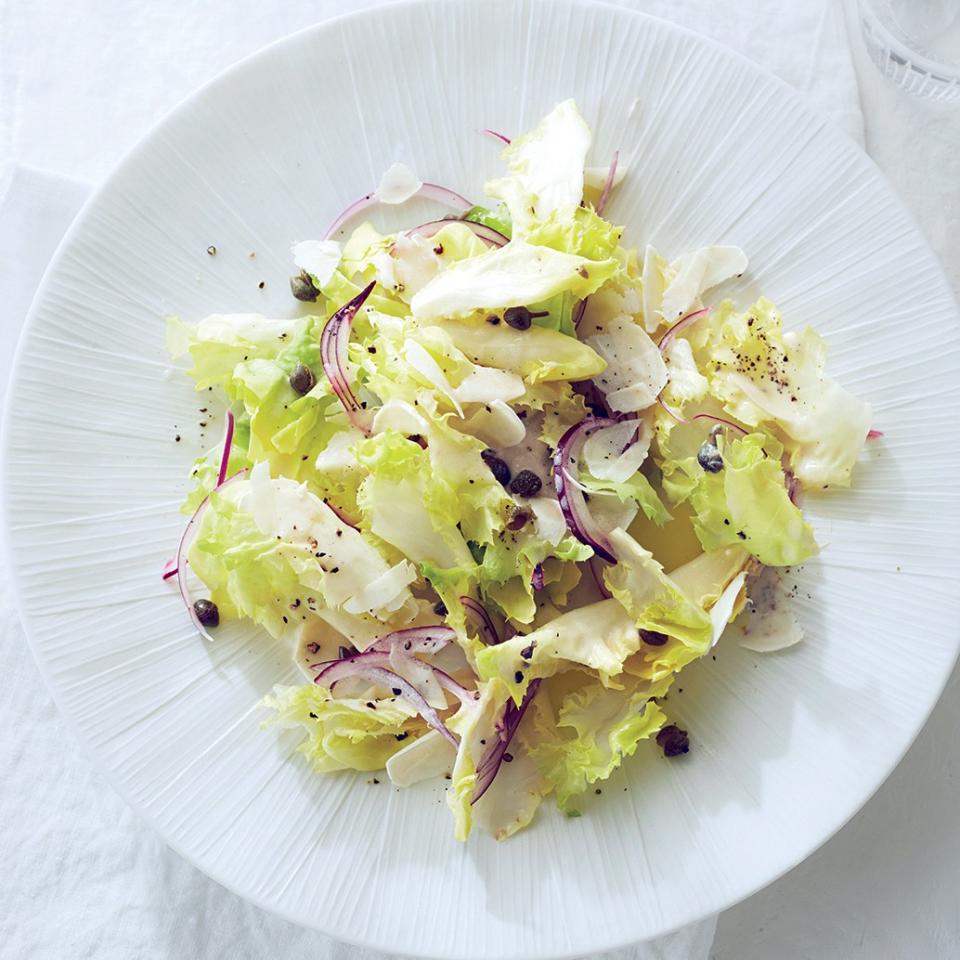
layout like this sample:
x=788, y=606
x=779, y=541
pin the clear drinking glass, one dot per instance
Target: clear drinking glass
x=916, y=44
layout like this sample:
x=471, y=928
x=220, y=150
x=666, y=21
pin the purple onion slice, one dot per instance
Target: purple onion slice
x=875, y=434
x=480, y=616
x=183, y=547
x=462, y=693
x=488, y=235
x=578, y=311
x=572, y=502
x=594, y=564
x=333, y=356
x=227, y=444
x=413, y=640
x=496, y=136
x=432, y=191
x=373, y=667
x=701, y=416
x=536, y=580
x=608, y=185
x=682, y=324
x=507, y=726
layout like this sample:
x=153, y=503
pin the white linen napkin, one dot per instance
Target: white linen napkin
x=82, y=876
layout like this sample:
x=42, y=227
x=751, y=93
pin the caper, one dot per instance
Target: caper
x=302, y=379
x=207, y=612
x=708, y=456
x=301, y=286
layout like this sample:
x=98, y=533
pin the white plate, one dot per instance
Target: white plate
x=785, y=747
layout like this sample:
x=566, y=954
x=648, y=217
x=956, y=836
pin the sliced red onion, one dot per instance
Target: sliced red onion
x=455, y=687
x=578, y=311
x=594, y=398
x=875, y=434
x=171, y=567
x=369, y=667
x=482, y=619
x=341, y=515
x=227, y=444
x=181, y=559
x=496, y=136
x=701, y=416
x=608, y=186
x=333, y=356
x=431, y=191
x=572, y=502
x=593, y=563
x=681, y=325
x=507, y=726
x=481, y=231
x=794, y=488
x=536, y=580
x=416, y=639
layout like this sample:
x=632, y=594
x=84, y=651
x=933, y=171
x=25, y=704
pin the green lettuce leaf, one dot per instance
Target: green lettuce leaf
x=545, y=177
x=769, y=377
x=514, y=275
x=594, y=729
x=263, y=544
x=746, y=503
x=598, y=636
x=653, y=600
x=343, y=733
x=637, y=489
x=498, y=219
x=537, y=354
x=206, y=469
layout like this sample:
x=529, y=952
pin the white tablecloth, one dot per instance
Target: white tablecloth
x=78, y=84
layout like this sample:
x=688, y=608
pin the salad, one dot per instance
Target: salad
x=500, y=479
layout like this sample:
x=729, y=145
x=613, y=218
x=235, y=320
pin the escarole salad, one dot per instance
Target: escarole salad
x=500, y=479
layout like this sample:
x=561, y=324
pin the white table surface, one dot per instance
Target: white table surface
x=888, y=886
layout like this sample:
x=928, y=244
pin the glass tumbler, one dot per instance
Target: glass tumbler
x=915, y=44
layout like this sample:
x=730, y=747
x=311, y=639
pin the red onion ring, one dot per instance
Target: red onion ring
x=340, y=514
x=488, y=235
x=496, y=136
x=333, y=356
x=608, y=185
x=227, y=444
x=592, y=563
x=507, y=726
x=482, y=619
x=169, y=569
x=579, y=521
x=432, y=191
x=536, y=579
x=416, y=639
x=184, y=545
x=701, y=416
x=875, y=434
x=368, y=666
x=578, y=311
x=457, y=689
x=680, y=325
